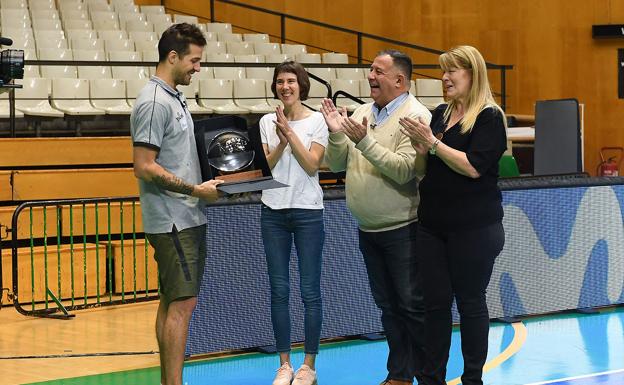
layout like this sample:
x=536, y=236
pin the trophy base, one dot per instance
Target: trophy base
x=240, y=176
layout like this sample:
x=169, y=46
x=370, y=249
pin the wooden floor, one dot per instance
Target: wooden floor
x=127, y=328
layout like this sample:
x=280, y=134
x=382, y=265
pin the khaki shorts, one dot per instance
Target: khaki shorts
x=180, y=256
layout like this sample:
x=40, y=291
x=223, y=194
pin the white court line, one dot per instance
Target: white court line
x=577, y=377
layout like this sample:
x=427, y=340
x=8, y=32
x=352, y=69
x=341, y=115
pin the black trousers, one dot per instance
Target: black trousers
x=457, y=264
x=392, y=267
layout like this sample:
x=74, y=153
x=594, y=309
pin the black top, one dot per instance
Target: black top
x=451, y=201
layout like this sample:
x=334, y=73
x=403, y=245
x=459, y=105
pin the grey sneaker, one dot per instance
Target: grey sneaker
x=284, y=375
x=305, y=376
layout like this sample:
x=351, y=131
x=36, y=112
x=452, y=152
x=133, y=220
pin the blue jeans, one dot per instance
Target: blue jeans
x=278, y=229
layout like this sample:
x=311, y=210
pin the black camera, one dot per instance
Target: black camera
x=11, y=63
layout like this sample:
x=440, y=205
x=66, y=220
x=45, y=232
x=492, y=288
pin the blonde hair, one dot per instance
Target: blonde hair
x=480, y=95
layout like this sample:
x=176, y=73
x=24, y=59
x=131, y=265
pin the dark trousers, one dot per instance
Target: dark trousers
x=392, y=267
x=457, y=264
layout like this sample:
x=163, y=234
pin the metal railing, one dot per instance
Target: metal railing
x=79, y=253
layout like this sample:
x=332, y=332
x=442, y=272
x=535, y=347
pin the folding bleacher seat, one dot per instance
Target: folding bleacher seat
x=57, y=71
x=271, y=99
x=76, y=24
x=229, y=37
x=239, y=48
x=161, y=26
x=324, y=73
x=217, y=94
x=106, y=24
x=351, y=73
x=130, y=16
x=316, y=95
x=265, y=73
x=80, y=34
x=92, y=72
x=136, y=25
x=146, y=45
x=5, y=111
x=32, y=98
x=249, y=58
x=352, y=87
x=251, y=94
x=308, y=58
x=112, y=34
x=293, y=49
x=118, y=45
x=209, y=36
x=25, y=33
x=177, y=18
x=44, y=14
x=20, y=42
x=103, y=15
x=143, y=35
x=267, y=48
x=15, y=23
x=87, y=44
x=133, y=86
x=214, y=47
x=256, y=37
x=52, y=42
x=412, y=89
x=71, y=96
x=190, y=93
x=127, y=72
x=14, y=13
x=126, y=8
x=278, y=57
x=74, y=14
x=229, y=72
x=71, y=5
x=218, y=27
x=99, y=7
x=205, y=73
x=150, y=56
x=365, y=91
x=211, y=57
x=157, y=18
x=335, y=58
x=109, y=95
x=31, y=71
x=41, y=5
x=48, y=34
x=153, y=9
x=13, y=4
x=429, y=92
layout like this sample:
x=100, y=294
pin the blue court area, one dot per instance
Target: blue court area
x=570, y=349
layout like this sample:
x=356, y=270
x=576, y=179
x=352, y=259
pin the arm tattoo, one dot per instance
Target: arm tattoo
x=173, y=183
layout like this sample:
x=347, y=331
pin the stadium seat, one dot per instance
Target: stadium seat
x=157, y=18
x=92, y=72
x=74, y=14
x=31, y=71
x=265, y=73
x=77, y=24
x=293, y=49
x=87, y=44
x=251, y=94
x=133, y=86
x=153, y=9
x=115, y=89
x=324, y=73
x=125, y=17
x=143, y=35
x=429, y=92
x=308, y=58
x=13, y=4
x=71, y=96
x=261, y=48
x=161, y=26
x=365, y=91
x=52, y=43
x=278, y=57
x=249, y=58
x=256, y=37
x=229, y=73
x=112, y=34
x=351, y=73
x=316, y=95
x=146, y=46
x=46, y=24
x=46, y=13
x=352, y=87
x=127, y=72
x=57, y=71
x=81, y=34
x=239, y=48
x=177, y=18
x=205, y=73
x=36, y=91
x=5, y=111
x=136, y=25
x=105, y=24
x=229, y=37
x=190, y=93
x=118, y=45
x=271, y=99
x=217, y=94
x=218, y=27
x=214, y=47
x=335, y=58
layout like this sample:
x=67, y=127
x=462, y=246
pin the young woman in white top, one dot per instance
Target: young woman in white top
x=294, y=140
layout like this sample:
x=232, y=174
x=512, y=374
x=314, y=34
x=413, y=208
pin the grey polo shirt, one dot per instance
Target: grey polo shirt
x=161, y=121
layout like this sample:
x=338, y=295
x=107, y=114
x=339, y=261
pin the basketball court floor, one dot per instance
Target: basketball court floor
x=561, y=349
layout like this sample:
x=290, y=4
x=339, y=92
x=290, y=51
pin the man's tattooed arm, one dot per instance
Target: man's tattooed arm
x=173, y=183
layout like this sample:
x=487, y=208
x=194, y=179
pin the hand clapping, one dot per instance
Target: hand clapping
x=419, y=132
x=282, y=128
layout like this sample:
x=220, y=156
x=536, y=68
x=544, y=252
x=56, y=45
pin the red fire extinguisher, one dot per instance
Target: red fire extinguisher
x=610, y=166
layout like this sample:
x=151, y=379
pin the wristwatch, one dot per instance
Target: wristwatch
x=434, y=146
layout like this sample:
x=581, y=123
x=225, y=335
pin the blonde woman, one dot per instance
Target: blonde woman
x=460, y=214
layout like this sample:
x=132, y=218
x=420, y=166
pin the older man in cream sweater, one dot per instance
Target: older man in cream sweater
x=382, y=194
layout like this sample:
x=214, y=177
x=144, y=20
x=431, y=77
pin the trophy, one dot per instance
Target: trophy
x=231, y=152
